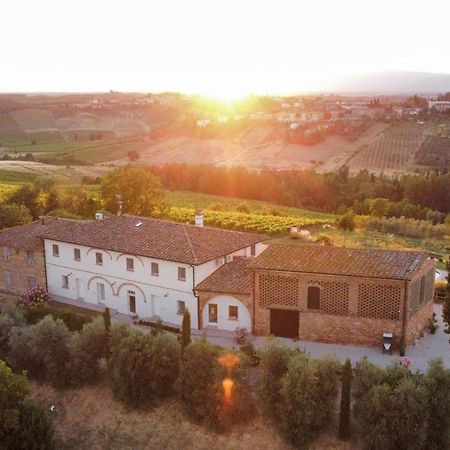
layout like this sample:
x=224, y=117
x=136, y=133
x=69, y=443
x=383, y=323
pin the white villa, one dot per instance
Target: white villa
x=136, y=266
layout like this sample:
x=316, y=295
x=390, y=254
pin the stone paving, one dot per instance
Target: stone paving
x=428, y=347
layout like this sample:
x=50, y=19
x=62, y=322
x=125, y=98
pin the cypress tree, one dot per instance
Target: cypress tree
x=107, y=319
x=344, y=416
x=446, y=305
x=186, y=329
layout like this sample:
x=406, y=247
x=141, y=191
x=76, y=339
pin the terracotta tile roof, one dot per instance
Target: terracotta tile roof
x=26, y=236
x=234, y=277
x=340, y=261
x=154, y=238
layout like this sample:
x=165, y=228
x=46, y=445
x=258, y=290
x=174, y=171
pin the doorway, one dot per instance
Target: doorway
x=212, y=313
x=284, y=323
x=132, y=301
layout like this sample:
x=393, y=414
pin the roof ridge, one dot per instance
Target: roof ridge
x=188, y=239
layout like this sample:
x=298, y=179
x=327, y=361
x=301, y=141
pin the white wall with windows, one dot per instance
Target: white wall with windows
x=130, y=284
x=226, y=312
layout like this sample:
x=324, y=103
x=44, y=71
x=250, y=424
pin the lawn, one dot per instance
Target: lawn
x=90, y=418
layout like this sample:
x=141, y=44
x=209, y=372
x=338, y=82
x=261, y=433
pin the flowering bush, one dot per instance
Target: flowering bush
x=36, y=304
x=36, y=295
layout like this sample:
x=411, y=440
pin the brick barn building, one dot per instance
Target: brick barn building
x=341, y=295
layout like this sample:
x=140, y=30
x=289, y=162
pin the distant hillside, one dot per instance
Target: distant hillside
x=395, y=83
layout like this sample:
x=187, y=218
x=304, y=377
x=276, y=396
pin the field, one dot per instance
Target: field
x=90, y=418
x=257, y=150
x=259, y=223
x=392, y=152
x=207, y=201
x=262, y=217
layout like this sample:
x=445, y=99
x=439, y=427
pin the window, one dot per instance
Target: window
x=155, y=269
x=77, y=254
x=55, y=248
x=6, y=253
x=130, y=264
x=65, y=281
x=233, y=312
x=181, y=307
x=8, y=279
x=31, y=281
x=99, y=259
x=182, y=273
x=30, y=257
x=313, y=297
x=253, y=250
x=19, y=278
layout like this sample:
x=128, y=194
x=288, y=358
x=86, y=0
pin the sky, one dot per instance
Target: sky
x=222, y=48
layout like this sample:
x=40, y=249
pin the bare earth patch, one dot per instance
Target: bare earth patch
x=90, y=418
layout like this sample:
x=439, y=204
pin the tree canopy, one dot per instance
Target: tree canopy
x=139, y=191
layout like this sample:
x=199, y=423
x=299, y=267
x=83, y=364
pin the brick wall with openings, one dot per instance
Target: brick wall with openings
x=353, y=310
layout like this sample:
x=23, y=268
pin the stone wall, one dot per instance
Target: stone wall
x=20, y=271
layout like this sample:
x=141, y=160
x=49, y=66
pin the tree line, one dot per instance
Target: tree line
x=332, y=192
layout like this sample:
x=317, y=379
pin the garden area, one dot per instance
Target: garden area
x=71, y=383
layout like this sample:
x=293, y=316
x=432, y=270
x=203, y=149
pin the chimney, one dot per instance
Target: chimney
x=198, y=218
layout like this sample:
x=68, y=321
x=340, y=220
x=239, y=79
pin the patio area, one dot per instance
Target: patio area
x=428, y=347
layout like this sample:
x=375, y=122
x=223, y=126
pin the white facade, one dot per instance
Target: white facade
x=125, y=282
x=217, y=313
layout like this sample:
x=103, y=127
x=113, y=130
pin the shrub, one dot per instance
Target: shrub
x=42, y=349
x=346, y=222
x=21, y=353
x=308, y=391
x=274, y=365
x=35, y=430
x=391, y=407
x=6, y=325
x=243, y=208
x=50, y=343
x=36, y=304
x=14, y=311
x=87, y=349
x=211, y=392
x=142, y=367
x=74, y=320
x=13, y=389
x=197, y=378
x=216, y=206
x=393, y=417
x=437, y=385
x=250, y=353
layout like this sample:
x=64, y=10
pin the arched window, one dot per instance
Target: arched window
x=313, y=297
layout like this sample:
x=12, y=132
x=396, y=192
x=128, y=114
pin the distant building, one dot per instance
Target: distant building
x=440, y=105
